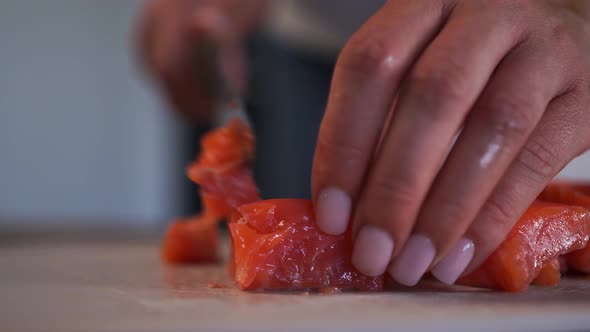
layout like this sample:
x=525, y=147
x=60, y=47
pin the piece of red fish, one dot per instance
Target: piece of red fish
x=223, y=173
x=277, y=245
x=191, y=240
x=571, y=193
x=541, y=235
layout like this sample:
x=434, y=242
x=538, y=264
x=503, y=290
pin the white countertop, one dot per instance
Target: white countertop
x=123, y=286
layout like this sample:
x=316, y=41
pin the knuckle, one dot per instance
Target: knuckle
x=539, y=158
x=500, y=212
x=564, y=38
x=392, y=191
x=521, y=8
x=368, y=55
x=497, y=217
x=390, y=204
x=341, y=154
x=438, y=86
x=560, y=32
x=526, y=5
x=510, y=116
x=451, y=209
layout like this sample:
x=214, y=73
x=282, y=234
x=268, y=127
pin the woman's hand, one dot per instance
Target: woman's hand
x=511, y=77
x=169, y=31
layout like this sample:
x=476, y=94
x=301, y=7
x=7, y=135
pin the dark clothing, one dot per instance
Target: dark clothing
x=286, y=100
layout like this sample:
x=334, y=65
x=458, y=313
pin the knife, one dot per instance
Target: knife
x=207, y=69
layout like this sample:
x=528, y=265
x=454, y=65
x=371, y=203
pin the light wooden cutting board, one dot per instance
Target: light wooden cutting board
x=123, y=286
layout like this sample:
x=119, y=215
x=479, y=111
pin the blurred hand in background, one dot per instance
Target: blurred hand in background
x=169, y=32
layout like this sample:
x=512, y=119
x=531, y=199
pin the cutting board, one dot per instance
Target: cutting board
x=122, y=286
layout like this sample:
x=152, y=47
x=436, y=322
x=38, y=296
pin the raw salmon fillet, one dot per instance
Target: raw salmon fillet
x=582, y=187
x=223, y=169
x=223, y=173
x=191, y=240
x=277, y=245
x=579, y=260
x=571, y=193
x=542, y=234
x=550, y=274
x=565, y=193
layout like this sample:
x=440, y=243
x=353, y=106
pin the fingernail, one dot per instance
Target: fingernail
x=372, y=251
x=450, y=268
x=333, y=211
x=413, y=261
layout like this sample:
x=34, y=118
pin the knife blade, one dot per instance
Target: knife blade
x=229, y=104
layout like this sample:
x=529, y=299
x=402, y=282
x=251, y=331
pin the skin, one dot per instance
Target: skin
x=513, y=75
x=168, y=30
x=510, y=77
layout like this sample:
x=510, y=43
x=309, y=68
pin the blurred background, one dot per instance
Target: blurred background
x=85, y=140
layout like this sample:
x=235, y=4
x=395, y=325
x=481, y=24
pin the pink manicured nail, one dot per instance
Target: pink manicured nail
x=372, y=250
x=333, y=211
x=413, y=261
x=450, y=268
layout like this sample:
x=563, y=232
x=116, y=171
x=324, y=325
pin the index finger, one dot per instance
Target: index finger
x=365, y=81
